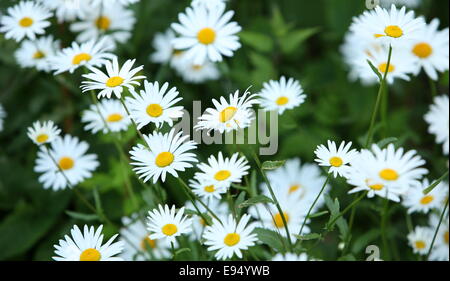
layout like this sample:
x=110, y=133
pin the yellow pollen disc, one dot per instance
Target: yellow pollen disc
x=114, y=81
x=389, y=174
x=393, y=31
x=103, y=23
x=38, y=55
x=147, y=244
x=232, y=239
x=202, y=221
x=446, y=237
x=294, y=188
x=420, y=244
x=197, y=67
x=26, y=22
x=376, y=186
x=164, y=159
x=427, y=200
x=336, y=161
x=222, y=175
x=422, y=50
x=90, y=255
x=278, y=220
x=206, y=36
x=169, y=229
x=177, y=53
x=42, y=138
x=210, y=188
x=282, y=100
x=115, y=117
x=227, y=114
x=66, y=163
x=154, y=110
x=80, y=58
x=382, y=67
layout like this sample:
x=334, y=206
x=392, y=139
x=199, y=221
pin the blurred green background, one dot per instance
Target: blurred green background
x=295, y=38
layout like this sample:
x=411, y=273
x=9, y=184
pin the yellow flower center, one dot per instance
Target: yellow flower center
x=115, y=117
x=282, y=100
x=294, y=188
x=382, y=67
x=26, y=22
x=377, y=186
x=80, y=58
x=422, y=50
x=232, y=239
x=103, y=23
x=38, y=55
x=164, y=159
x=66, y=163
x=222, y=175
x=90, y=255
x=42, y=138
x=393, y=31
x=446, y=237
x=169, y=229
x=420, y=244
x=278, y=219
x=177, y=53
x=389, y=174
x=197, y=67
x=227, y=114
x=336, y=161
x=154, y=110
x=427, y=200
x=210, y=188
x=148, y=244
x=206, y=36
x=114, y=81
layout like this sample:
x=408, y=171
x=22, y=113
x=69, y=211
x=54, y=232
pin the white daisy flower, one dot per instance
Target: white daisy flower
x=210, y=4
x=438, y=121
x=281, y=95
x=88, y=54
x=388, y=26
x=26, y=19
x=162, y=43
x=111, y=111
x=36, y=53
x=206, y=34
x=2, y=117
x=206, y=189
x=440, y=251
x=112, y=21
x=165, y=223
x=416, y=201
x=168, y=154
x=228, y=116
x=198, y=73
x=431, y=50
x=420, y=239
x=43, y=133
x=222, y=172
x=155, y=104
x=114, y=80
x=338, y=159
x=221, y=209
x=138, y=245
x=67, y=10
x=290, y=257
x=87, y=246
x=70, y=155
x=105, y=3
x=230, y=238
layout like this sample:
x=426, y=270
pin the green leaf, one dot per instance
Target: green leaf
x=256, y=200
x=256, y=40
x=434, y=184
x=272, y=165
x=375, y=70
x=348, y=257
x=270, y=238
x=384, y=142
x=293, y=40
x=182, y=250
x=239, y=200
x=319, y=214
x=82, y=216
x=310, y=236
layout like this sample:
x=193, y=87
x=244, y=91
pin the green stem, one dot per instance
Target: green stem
x=437, y=229
x=432, y=87
x=384, y=218
x=350, y=226
x=354, y=203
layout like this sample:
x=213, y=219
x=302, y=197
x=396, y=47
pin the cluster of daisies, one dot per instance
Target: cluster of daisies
x=205, y=35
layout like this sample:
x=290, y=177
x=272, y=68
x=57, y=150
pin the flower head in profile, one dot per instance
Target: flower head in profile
x=167, y=223
x=230, y=238
x=162, y=154
x=337, y=158
x=114, y=80
x=88, y=246
x=438, y=121
x=43, y=133
x=26, y=19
